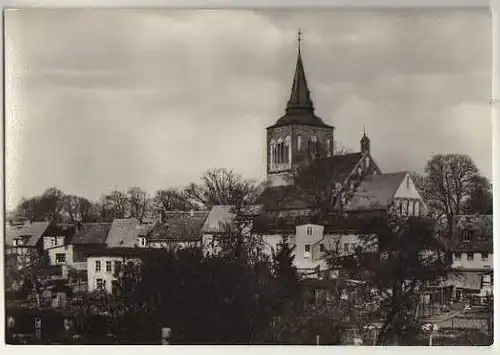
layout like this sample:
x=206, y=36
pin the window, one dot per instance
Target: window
x=328, y=147
x=97, y=266
x=457, y=256
x=142, y=241
x=416, y=209
x=346, y=248
x=470, y=256
x=118, y=265
x=108, y=266
x=309, y=231
x=60, y=258
x=54, y=241
x=408, y=181
x=466, y=235
x=307, y=248
x=299, y=142
x=100, y=284
x=484, y=256
x=322, y=248
x=410, y=208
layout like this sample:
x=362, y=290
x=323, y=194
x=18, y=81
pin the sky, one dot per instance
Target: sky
x=107, y=99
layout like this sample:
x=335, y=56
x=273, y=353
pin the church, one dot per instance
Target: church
x=310, y=189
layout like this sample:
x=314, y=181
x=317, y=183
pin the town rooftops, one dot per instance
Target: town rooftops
x=179, y=226
x=222, y=216
x=125, y=232
x=31, y=232
x=91, y=233
x=376, y=192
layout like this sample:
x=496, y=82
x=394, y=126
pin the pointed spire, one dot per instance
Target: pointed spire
x=365, y=142
x=300, y=99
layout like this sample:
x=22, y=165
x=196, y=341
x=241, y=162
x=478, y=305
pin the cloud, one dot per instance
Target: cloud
x=100, y=99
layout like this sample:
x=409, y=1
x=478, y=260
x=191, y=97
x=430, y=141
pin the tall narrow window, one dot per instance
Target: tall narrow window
x=328, y=147
x=299, y=142
x=97, y=266
x=288, y=150
x=272, y=148
x=408, y=181
x=108, y=266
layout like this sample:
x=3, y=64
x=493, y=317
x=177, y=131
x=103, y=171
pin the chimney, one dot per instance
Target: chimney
x=191, y=213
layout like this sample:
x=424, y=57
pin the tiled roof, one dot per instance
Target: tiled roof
x=222, y=215
x=480, y=230
x=376, y=192
x=179, y=226
x=33, y=231
x=338, y=168
x=125, y=232
x=91, y=233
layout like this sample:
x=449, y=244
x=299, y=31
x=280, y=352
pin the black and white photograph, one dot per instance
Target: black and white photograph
x=248, y=177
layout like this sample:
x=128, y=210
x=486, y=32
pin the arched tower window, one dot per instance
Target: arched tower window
x=280, y=155
x=299, y=142
x=272, y=155
x=329, y=147
x=288, y=151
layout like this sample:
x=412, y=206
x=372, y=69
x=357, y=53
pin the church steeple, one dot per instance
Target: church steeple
x=300, y=100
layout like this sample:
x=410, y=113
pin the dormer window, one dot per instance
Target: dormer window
x=142, y=242
x=309, y=231
x=466, y=235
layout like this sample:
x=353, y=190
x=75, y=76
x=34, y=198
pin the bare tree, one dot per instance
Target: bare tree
x=172, y=200
x=115, y=203
x=449, y=184
x=138, y=202
x=77, y=208
x=222, y=187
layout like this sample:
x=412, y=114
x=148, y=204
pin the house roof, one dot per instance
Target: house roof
x=467, y=279
x=481, y=233
x=33, y=231
x=133, y=252
x=222, y=215
x=376, y=191
x=91, y=233
x=337, y=167
x=124, y=232
x=179, y=226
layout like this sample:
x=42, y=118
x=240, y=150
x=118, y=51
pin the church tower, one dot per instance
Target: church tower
x=299, y=135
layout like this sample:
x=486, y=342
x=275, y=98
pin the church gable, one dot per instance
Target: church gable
x=407, y=189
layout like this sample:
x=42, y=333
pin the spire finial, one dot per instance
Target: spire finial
x=299, y=38
x=364, y=128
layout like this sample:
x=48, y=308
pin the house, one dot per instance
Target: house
x=177, y=229
x=104, y=264
x=25, y=240
x=472, y=249
x=88, y=237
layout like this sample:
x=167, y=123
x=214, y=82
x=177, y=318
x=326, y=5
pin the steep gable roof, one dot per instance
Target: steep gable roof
x=179, y=226
x=222, y=215
x=91, y=233
x=376, y=191
x=32, y=231
x=124, y=232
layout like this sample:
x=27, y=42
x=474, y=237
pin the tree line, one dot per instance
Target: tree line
x=451, y=185
x=217, y=187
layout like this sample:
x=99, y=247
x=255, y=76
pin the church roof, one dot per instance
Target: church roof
x=300, y=108
x=337, y=167
x=376, y=191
